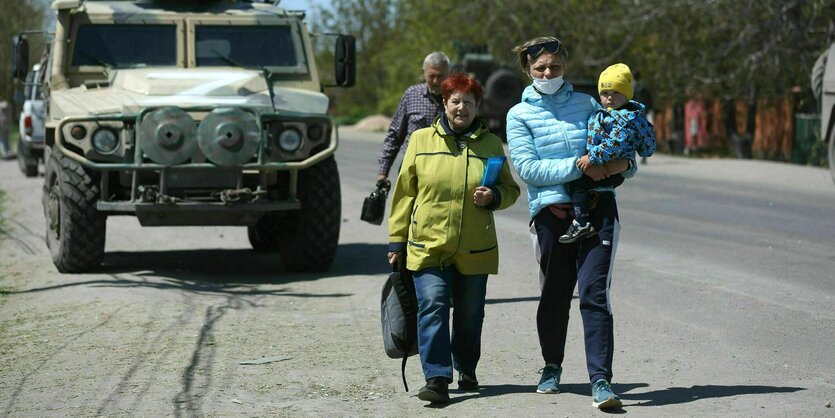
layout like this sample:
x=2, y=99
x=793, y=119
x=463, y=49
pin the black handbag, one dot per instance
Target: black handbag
x=374, y=206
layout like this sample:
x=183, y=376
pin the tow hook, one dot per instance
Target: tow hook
x=240, y=195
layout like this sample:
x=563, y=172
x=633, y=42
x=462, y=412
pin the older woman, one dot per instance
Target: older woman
x=442, y=217
x=546, y=135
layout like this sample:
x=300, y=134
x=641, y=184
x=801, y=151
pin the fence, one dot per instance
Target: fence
x=771, y=130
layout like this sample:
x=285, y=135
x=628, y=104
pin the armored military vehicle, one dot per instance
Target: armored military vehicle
x=188, y=112
x=502, y=85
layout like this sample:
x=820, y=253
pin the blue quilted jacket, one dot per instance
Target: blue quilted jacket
x=546, y=134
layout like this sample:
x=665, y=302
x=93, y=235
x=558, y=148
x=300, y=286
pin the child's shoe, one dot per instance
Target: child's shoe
x=577, y=232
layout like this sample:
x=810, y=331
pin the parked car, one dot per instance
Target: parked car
x=31, y=144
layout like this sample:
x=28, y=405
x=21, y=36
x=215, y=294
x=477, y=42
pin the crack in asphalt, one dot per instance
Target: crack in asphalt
x=197, y=377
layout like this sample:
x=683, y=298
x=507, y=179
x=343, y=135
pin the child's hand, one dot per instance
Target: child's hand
x=583, y=163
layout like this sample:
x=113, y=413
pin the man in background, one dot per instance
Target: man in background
x=418, y=107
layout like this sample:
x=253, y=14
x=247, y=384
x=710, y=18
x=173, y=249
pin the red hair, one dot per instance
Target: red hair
x=461, y=82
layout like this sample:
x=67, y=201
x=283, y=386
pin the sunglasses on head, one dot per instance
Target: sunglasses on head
x=551, y=47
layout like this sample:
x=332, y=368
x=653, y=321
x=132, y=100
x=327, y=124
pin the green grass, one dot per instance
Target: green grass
x=14, y=136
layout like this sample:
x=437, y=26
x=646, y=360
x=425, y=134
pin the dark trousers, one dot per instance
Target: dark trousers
x=587, y=264
x=579, y=190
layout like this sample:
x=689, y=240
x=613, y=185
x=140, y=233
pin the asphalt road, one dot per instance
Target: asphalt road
x=723, y=296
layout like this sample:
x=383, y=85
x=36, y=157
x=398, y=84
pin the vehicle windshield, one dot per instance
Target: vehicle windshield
x=246, y=46
x=126, y=46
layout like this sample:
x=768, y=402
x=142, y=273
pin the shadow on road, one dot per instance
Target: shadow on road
x=520, y=299
x=229, y=272
x=679, y=395
x=243, y=265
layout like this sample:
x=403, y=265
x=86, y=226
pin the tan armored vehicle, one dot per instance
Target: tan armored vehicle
x=189, y=113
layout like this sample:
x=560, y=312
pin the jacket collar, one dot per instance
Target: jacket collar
x=476, y=129
x=629, y=111
x=428, y=94
x=532, y=96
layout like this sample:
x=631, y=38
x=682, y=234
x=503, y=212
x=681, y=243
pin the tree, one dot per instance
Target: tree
x=18, y=16
x=723, y=48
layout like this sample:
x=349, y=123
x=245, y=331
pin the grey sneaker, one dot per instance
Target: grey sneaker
x=550, y=380
x=577, y=232
x=602, y=396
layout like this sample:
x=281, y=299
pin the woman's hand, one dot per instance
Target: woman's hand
x=483, y=196
x=617, y=166
x=596, y=172
x=395, y=257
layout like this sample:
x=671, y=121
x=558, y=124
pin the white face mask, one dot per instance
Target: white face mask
x=547, y=86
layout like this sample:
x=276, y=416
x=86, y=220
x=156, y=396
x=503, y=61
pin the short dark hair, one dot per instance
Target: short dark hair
x=461, y=82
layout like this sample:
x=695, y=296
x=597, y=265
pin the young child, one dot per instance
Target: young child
x=619, y=130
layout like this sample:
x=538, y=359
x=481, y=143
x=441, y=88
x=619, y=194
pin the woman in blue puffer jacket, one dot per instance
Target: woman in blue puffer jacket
x=546, y=135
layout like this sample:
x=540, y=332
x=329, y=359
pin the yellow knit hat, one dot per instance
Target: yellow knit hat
x=617, y=78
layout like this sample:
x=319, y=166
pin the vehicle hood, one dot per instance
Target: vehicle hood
x=129, y=91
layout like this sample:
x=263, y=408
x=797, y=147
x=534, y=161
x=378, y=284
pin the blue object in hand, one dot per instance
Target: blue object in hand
x=492, y=170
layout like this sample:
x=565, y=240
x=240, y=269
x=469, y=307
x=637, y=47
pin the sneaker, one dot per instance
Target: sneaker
x=467, y=383
x=435, y=391
x=577, y=232
x=602, y=396
x=550, y=380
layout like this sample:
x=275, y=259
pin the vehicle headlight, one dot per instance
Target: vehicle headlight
x=290, y=140
x=105, y=141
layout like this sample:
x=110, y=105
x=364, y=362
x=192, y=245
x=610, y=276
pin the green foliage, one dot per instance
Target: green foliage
x=727, y=48
x=18, y=16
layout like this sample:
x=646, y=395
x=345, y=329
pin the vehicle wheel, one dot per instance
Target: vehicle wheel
x=306, y=239
x=75, y=230
x=28, y=165
x=264, y=235
x=503, y=89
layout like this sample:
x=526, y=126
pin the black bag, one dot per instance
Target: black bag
x=398, y=315
x=374, y=206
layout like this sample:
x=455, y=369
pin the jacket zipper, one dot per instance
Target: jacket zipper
x=462, y=153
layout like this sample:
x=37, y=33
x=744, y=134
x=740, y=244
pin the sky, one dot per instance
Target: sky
x=296, y=4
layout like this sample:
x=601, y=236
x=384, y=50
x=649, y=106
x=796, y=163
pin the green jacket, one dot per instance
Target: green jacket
x=433, y=217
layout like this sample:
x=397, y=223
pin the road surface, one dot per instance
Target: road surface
x=723, y=293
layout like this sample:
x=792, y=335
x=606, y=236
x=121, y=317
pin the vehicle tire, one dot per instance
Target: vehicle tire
x=28, y=165
x=75, y=230
x=306, y=239
x=503, y=89
x=264, y=235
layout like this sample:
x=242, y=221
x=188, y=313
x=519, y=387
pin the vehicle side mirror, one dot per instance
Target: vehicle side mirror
x=20, y=57
x=345, y=59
